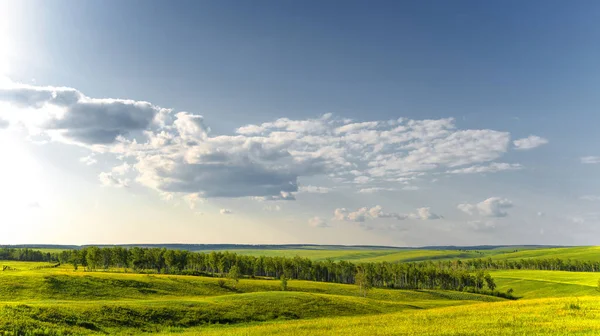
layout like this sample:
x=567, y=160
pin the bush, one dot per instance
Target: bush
x=221, y=283
x=284, y=283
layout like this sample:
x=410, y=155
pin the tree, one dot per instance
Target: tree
x=284, y=283
x=94, y=257
x=362, y=281
x=234, y=275
x=490, y=282
x=479, y=279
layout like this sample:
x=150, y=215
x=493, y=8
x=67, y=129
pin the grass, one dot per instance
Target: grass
x=562, y=316
x=543, y=284
x=39, y=300
x=588, y=253
x=49, y=301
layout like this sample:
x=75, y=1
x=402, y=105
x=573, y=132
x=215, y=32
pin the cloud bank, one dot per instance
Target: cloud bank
x=177, y=153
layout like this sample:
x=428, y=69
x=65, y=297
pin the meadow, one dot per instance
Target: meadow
x=584, y=253
x=41, y=298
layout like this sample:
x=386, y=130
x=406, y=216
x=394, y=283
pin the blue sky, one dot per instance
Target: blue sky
x=397, y=123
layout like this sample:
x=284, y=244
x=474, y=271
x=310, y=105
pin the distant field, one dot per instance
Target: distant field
x=543, y=284
x=413, y=255
x=371, y=254
x=587, y=253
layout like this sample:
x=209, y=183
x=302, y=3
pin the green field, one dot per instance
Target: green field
x=587, y=253
x=37, y=299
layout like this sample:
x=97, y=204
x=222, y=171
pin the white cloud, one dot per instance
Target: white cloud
x=363, y=214
x=88, y=160
x=493, y=167
x=71, y=115
x=590, y=159
x=314, y=189
x=177, y=153
x=590, y=198
x=272, y=208
x=374, y=190
x=4, y=123
x=225, y=212
x=122, y=169
x=192, y=200
x=541, y=214
x=530, y=142
x=491, y=207
x=424, y=214
x=318, y=222
x=108, y=179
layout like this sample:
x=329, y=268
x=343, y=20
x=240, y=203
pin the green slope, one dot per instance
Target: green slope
x=543, y=284
x=563, y=316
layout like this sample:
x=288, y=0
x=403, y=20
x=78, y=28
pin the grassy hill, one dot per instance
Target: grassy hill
x=591, y=253
x=543, y=284
x=563, y=316
x=39, y=299
x=59, y=300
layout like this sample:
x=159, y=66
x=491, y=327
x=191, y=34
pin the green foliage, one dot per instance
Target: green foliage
x=363, y=281
x=284, y=283
x=234, y=275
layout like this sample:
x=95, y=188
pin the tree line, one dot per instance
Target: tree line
x=377, y=274
x=26, y=254
x=541, y=264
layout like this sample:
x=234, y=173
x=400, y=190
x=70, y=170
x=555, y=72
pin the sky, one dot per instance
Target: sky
x=401, y=123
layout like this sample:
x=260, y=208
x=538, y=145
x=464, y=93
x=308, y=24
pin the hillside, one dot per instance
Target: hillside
x=66, y=301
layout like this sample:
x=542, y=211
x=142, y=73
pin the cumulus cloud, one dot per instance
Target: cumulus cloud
x=109, y=179
x=314, y=189
x=177, y=153
x=318, y=222
x=374, y=190
x=4, y=123
x=530, y=142
x=88, y=160
x=122, y=169
x=363, y=214
x=590, y=159
x=272, y=208
x=76, y=117
x=491, y=207
x=192, y=200
x=493, y=167
x=225, y=212
x=424, y=214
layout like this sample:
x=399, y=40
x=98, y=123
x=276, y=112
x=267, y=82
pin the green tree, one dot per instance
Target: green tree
x=284, y=283
x=234, y=275
x=362, y=281
x=491, y=284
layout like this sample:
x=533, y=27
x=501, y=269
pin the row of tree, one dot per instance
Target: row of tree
x=26, y=254
x=545, y=264
x=390, y=275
